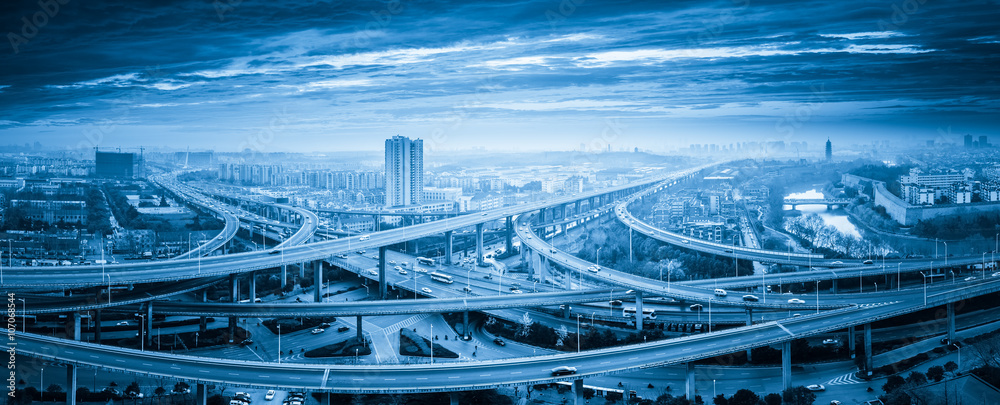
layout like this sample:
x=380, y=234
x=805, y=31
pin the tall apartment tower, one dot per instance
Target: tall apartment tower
x=829, y=150
x=404, y=171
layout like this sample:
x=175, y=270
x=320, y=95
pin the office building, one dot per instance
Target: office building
x=968, y=141
x=115, y=165
x=829, y=150
x=404, y=171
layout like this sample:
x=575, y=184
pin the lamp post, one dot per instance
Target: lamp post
x=861, y=281
x=945, y=253
x=984, y=265
x=899, y=285
x=142, y=333
x=599, y=255
x=925, y=287
x=467, y=285
x=432, y=344
x=817, y=296
x=24, y=315
x=578, y=333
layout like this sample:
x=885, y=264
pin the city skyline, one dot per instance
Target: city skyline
x=533, y=77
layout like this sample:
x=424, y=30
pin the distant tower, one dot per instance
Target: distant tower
x=404, y=171
x=968, y=141
x=829, y=150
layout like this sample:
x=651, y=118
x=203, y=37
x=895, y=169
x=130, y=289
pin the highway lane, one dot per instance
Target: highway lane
x=232, y=223
x=28, y=277
x=475, y=375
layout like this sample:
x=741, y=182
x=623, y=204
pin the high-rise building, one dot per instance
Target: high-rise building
x=968, y=141
x=116, y=165
x=829, y=150
x=983, y=141
x=404, y=171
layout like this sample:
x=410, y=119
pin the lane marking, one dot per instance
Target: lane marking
x=785, y=329
x=515, y=372
x=454, y=377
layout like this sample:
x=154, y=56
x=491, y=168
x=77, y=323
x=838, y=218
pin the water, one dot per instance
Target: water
x=835, y=218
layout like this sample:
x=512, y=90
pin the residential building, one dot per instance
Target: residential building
x=404, y=171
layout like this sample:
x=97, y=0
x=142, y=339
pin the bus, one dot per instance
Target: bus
x=425, y=261
x=647, y=313
x=441, y=278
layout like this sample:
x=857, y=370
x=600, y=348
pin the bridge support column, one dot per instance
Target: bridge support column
x=318, y=281
x=786, y=365
x=70, y=384
x=689, y=387
x=578, y=392
x=449, y=239
x=852, y=343
x=510, y=234
x=479, y=244
x=834, y=288
x=324, y=398
x=253, y=286
x=749, y=323
x=868, y=348
x=381, y=272
x=97, y=326
x=951, y=322
x=284, y=276
x=569, y=276
x=360, y=332
x=638, y=311
x=202, y=321
x=149, y=324
x=233, y=297
x=453, y=398
x=201, y=394
x=465, y=324
x=232, y=328
x=538, y=265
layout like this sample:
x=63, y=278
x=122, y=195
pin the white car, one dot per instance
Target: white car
x=816, y=387
x=122, y=323
x=830, y=341
x=720, y=292
x=401, y=271
x=970, y=278
x=318, y=331
x=796, y=301
x=426, y=290
x=269, y=396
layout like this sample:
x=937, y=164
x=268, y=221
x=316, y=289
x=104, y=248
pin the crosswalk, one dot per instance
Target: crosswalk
x=846, y=379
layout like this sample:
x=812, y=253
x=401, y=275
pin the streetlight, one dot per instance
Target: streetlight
x=945, y=253
x=142, y=333
x=817, y=296
x=984, y=265
x=467, y=285
x=899, y=285
x=41, y=385
x=432, y=344
x=925, y=287
x=578, y=333
x=876, y=287
x=279, y=343
x=599, y=255
x=861, y=281
x=24, y=315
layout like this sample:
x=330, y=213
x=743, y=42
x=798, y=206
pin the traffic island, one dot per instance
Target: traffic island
x=350, y=347
x=289, y=325
x=412, y=344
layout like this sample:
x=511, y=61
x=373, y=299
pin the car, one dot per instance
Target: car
x=246, y=342
x=372, y=272
x=484, y=214
x=499, y=342
x=426, y=290
x=361, y=252
x=720, y=292
x=816, y=387
x=516, y=292
x=488, y=277
x=366, y=237
x=269, y=396
x=324, y=325
x=122, y=323
x=419, y=270
x=996, y=274
x=594, y=269
x=467, y=289
x=553, y=250
x=392, y=262
x=343, y=329
x=318, y=331
x=970, y=278
x=830, y=341
x=685, y=241
x=563, y=370
x=867, y=262
x=834, y=402
x=750, y=298
x=401, y=271
x=796, y=301
x=696, y=307
x=375, y=257
x=837, y=262
x=242, y=396
x=615, y=303
x=274, y=252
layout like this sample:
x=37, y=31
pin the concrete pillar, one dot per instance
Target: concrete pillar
x=566, y=309
x=510, y=234
x=233, y=293
x=359, y=328
x=951, y=322
x=569, y=275
x=232, y=328
x=449, y=240
x=786, y=365
x=479, y=244
x=749, y=323
x=302, y=270
x=97, y=326
x=578, y=392
x=324, y=398
x=465, y=324
x=203, y=323
x=689, y=387
x=149, y=324
x=284, y=276
x=851, y=341
x=381, y=272
x=834, y=290
x=70, y=384
x=638, y=311
x=318, y=281
x=253, y=286
x=453, y=397
x=868, y=348
x=201, y=394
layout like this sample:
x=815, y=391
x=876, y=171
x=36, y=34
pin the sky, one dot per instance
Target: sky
x=306, y=76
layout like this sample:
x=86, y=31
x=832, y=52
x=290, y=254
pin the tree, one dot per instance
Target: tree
x=720, y=400
x=216, y=400
x=916, y=378
x=525, y=327
x=182, y=387
x=935, y=373
x=893, y=383
x=744, y=397
x=54, y=389
x=561, y=334
x=950, y=366
x=772, y=399
x=798, y=396
x=132, y=388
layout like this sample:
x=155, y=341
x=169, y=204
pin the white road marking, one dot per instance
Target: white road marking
x=515, y=372
x=454, y=377
x=785, y=329
x=120, y=360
